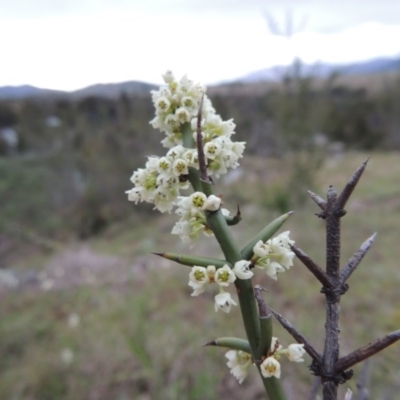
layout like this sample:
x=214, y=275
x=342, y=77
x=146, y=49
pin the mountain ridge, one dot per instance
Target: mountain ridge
x=276, y=73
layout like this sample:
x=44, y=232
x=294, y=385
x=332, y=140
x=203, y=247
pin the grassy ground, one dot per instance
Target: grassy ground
x=104, y=320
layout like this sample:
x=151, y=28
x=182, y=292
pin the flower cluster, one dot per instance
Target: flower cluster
x=192, y=219
x=199, y=277
x=271, y=366
x=176, y=104
x=159, y=183
x=274, y=256
x=240, y=361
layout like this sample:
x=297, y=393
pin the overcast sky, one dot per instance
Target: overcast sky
x=74, y=43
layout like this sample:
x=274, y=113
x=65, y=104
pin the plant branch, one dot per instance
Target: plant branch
x=315, y=269
x=318, y=200
x=265, y=323
x=332, y=215
x=367, y=351
x=200, y=150
x=350, y=186
x=355, y=260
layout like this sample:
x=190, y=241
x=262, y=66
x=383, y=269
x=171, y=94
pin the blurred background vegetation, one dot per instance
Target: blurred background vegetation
x=87, y=314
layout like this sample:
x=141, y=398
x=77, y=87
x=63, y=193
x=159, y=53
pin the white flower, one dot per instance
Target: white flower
x=163, y=165
x=168, y=76
x=261, y=249
x=223, y=302
x=282, y=255
x=283, y=240
x=212, y=149
x=242, y=269
x=275, y=345
x=272, y=269
x=295, y=352
x=224, y=276
x=199, y=277
x=213, y=203
x=180, y=167
x=183, y=115
x=162, y=104
x=274, y=256
x=270, y=367
x=239, y=363
x=198, y=201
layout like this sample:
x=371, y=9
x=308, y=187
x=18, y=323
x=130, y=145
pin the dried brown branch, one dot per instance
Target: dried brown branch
x=332, y=214
x=263, y=309
x=318, y=200
x=355, y=260
x=367, y=351
x=311, y=351
x=348, y=189
x=315, y=269
x=200, y=150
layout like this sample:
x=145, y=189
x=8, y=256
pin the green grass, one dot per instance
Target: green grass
x=140, y=337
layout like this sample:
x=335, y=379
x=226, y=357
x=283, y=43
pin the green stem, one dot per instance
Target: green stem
x=217, y=222
x=245, y=291
x=274, y=388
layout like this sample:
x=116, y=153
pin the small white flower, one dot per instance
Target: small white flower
x=224, y=276
x=295, y=352
x=168, y=76
x=213, y=203
x=198, y=201
x=283, y=240
x=270, y=367
x=212, y=149
x=182, y=114
x=261, y=249
x=275, y=345
x=272, y=269
x=242, y=269
x=199, y=277
x=282, y=255
x=162, y=104
x=223, y=302
x=239, y=363
x=180, y=167
x=163, y=165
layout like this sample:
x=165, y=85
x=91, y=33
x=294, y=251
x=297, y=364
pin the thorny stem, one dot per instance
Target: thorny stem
x=332, y=370
x=332, y=216
x=217, y=222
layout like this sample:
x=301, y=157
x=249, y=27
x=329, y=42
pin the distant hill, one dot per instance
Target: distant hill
x=273, y=74
x=24, y=91
x=111, y=90
x=323, y=70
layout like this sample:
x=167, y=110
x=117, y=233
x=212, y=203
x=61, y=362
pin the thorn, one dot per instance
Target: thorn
x=351, y=184
x=318, y=200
